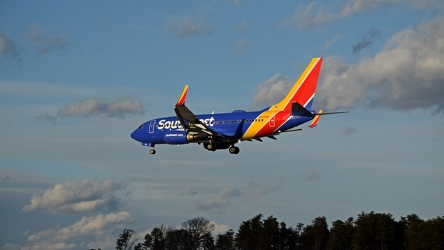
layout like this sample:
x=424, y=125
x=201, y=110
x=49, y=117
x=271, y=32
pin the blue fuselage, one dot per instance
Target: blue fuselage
x=168, y=130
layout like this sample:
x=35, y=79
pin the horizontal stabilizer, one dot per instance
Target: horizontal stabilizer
x=318, y=115
x=332, y=113
x=316, y=119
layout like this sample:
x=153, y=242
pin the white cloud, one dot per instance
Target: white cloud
x=92, y=228
x=315, y=14
x=219, y=228
x=332, y=41
x=407, y=74
x=352, y=7
x=188, y=27
x=75, y=197
x=271, y=91
x=93, y=106
x=309, y=16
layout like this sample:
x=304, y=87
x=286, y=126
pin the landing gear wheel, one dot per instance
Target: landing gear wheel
x=210, y=147
x=234, y=150
x=152, y=151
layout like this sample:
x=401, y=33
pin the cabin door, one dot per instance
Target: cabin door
x=152, y=125
x=272, y=122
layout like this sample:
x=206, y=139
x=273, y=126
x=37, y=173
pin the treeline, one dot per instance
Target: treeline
x=369, y=231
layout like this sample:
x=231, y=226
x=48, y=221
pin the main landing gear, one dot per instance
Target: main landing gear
x=234, y=150
x=217, y=146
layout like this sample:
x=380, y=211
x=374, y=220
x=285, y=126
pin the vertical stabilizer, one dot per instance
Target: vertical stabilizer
x=303, y=90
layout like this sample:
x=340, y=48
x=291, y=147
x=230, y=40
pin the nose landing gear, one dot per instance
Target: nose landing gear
x=152, y=150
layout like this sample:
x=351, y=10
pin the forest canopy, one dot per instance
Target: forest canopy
x=368, y=231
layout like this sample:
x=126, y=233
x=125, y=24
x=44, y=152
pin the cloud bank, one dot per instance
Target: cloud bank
x=406, y=74
x=314, y=14
x=93, y=106
x=86, y=196
x=77, y=197
x=97, y=227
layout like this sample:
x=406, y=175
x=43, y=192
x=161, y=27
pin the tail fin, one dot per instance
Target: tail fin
x=303, y=90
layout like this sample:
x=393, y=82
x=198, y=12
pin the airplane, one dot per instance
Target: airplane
x=224, y=130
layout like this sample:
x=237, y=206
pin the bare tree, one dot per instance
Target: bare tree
x=197, y=228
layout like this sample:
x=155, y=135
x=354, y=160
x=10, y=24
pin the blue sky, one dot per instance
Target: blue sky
x=76, y=78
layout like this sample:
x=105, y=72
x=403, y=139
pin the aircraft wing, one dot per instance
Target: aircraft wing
x=191, y=123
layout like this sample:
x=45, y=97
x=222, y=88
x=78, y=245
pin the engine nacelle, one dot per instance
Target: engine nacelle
x=196, y=137
x=176, y=138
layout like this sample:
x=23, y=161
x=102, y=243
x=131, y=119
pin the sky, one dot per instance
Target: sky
x=77, y=77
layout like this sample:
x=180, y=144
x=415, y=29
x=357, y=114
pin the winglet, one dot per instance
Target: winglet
x=315, y=119
x=182, y=97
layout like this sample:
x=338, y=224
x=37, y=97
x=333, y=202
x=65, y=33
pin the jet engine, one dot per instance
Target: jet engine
x=176, y=138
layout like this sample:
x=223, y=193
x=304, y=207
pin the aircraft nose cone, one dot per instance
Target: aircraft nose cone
x=136, y=135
